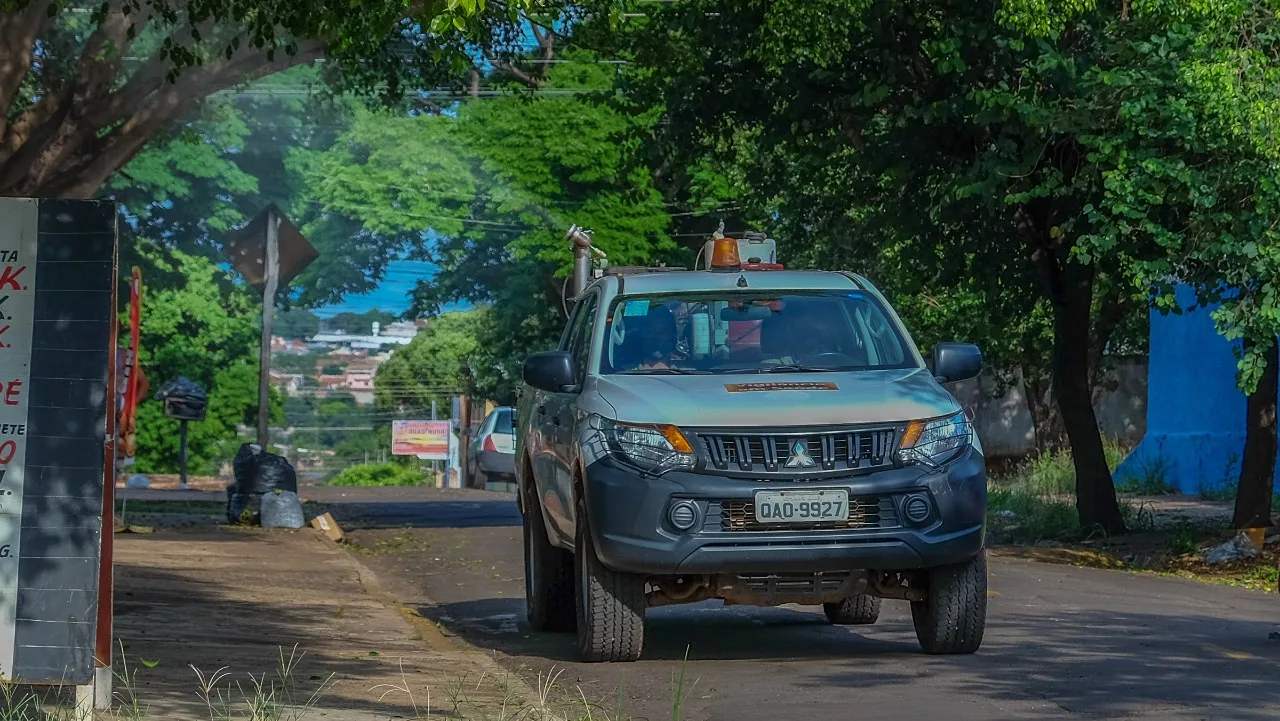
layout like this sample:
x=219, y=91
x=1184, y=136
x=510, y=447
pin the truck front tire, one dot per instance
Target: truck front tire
x=857, y=610
x=610, y=604
x=548, y=575
x=953, y=616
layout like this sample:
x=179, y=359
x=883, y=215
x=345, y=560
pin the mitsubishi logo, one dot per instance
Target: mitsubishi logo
x=800, y=457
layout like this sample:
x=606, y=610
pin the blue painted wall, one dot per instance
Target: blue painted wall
x=1195, y=413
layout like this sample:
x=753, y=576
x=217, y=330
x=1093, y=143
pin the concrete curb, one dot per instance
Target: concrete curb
x=425, y=628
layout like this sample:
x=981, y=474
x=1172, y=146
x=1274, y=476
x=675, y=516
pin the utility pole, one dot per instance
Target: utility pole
x=272, y=275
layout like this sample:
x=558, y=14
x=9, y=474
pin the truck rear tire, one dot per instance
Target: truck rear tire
x=953, y=616
x=857, y=610
x=548, y=575
x=610, y=604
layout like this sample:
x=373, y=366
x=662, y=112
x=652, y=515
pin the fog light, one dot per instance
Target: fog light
x=916, y=508
x=683, y=514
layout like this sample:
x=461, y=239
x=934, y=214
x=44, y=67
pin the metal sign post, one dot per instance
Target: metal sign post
x=269, y=252
x=268, y=310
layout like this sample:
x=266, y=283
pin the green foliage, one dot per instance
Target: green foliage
x=233, y=402
x=430, y=367
x=379, y=474
x=195, y=322
x=358, y=323
x=295, y=324
x=495, y=188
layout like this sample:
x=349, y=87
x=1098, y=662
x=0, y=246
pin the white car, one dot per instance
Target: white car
x=491, y=453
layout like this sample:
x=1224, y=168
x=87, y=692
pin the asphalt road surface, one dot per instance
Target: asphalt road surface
x=1061, y=642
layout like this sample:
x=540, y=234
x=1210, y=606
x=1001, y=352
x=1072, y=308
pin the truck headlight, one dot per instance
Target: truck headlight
x=936, y=441
x=651, y=447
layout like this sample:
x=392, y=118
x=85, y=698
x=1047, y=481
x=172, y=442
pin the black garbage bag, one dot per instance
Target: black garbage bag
x=242, y=508
x=275, y=473
x=259, y=472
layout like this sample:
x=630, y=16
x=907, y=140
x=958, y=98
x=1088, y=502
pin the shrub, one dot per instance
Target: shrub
x=379, y=474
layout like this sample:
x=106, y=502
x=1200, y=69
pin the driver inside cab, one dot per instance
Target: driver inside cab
x=652, y=341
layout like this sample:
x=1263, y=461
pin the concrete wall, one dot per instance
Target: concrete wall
x=1196, y=417
x=1004, y=424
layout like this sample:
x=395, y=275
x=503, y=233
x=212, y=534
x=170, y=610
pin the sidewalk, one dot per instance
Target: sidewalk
x=221, y=597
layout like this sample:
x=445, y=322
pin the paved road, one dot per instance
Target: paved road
x=1061, y=642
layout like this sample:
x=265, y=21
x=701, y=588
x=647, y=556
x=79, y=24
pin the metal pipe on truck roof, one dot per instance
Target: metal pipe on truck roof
x=581, y=238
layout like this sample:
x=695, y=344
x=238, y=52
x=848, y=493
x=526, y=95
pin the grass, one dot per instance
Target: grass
x=379, y=475
x=1036, y=500
x=278, y=696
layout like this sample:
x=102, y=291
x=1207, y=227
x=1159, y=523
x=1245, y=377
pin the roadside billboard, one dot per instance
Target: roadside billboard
x=428, y=440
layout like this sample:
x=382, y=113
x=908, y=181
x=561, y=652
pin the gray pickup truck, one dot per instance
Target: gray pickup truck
x=763, y=437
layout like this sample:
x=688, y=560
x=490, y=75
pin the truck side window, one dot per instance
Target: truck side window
x=580, y=340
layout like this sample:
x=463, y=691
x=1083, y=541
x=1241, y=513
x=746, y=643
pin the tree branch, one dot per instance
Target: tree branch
x=125, y=141
x=18, y=33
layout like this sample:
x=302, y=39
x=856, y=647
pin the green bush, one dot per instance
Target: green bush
x=379, y=474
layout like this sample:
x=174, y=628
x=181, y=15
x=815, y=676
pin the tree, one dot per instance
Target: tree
x=196, y=323
x=296, y=323
x=429, y=368
x=75, y=106
x=358, y=323
x=1056, y=153
x=494, y=189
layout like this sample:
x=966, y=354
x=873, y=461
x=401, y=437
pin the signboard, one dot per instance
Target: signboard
x=131, y=380
x=57, y=329
x=428, y=440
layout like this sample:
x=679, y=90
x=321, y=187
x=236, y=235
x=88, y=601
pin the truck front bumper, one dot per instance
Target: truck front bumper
x=633, y=532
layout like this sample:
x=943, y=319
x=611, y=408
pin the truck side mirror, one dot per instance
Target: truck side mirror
x=551, y=371
x=956, y=362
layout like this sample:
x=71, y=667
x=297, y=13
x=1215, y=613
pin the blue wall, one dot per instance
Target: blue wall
x=1195, y=413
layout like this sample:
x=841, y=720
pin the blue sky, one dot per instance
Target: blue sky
x=392, y=295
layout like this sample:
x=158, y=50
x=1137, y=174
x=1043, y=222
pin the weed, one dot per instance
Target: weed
x=265, y=700
x=1147, y=476
x=1024, y=515
x=1183, y=538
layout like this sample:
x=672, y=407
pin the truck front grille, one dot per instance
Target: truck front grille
x=864, y=512
x=799, y=454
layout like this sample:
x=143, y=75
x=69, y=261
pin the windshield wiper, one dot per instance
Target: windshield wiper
x=666, y=372
x=785, y=368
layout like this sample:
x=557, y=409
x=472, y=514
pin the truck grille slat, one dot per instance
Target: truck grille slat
x=775, y=453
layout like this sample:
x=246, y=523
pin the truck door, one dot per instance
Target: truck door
x=562, y=418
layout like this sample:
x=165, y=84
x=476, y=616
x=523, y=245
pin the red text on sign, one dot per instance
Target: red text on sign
x=12, y=390
x=9, y=277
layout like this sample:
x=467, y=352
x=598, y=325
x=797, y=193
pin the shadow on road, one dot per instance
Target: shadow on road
x=705, y=632
x=1105, y=664
x=1099, y=664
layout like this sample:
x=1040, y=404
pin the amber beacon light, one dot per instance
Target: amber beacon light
x=724, y=255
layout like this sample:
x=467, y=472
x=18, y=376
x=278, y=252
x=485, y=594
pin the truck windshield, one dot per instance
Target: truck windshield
x=745, y=332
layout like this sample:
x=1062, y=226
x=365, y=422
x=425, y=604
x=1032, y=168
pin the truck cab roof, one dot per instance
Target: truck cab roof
x=683, y=281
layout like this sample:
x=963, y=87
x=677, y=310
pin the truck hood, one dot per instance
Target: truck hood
x=777, y=399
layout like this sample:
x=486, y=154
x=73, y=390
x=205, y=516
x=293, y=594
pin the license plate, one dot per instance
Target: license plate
x=802, y=506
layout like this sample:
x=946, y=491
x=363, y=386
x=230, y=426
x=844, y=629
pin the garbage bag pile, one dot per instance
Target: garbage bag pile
x=265, y=491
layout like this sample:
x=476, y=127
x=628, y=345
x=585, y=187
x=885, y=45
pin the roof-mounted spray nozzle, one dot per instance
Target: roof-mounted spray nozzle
x=581, y=238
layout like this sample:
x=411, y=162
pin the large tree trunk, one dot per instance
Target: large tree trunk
x=1258, y=467
x=1071, y=291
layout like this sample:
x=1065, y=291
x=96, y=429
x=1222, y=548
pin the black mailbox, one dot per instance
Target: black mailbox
x=183, y=400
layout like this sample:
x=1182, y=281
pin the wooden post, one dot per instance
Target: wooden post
x=464, y=438
x=272, y=275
